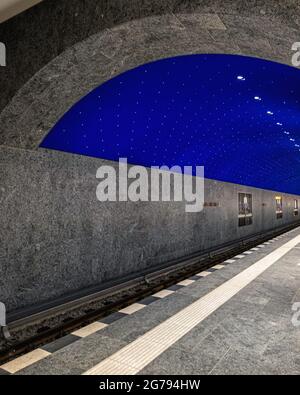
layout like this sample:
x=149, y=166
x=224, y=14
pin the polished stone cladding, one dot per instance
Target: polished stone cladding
x=56, y=237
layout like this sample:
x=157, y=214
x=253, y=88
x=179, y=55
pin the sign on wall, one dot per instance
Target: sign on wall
x=2, y=55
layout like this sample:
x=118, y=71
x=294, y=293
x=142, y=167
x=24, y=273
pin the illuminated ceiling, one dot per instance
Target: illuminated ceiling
x=237, y=116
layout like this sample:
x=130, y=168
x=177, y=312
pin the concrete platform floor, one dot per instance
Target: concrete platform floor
x=240, y=317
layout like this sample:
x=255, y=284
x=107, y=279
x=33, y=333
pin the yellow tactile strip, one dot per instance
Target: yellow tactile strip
x=138, y=354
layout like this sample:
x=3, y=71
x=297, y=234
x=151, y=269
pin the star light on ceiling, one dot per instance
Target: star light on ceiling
x=190, y=111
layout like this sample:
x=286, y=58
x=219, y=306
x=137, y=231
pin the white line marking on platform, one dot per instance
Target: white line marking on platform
x=25, y=360
x=133, y=308
x=230, y=261
x=240, y=256
x=89, y=329
x=203, y=274
x=164, y=293
x=138, y=354
x=254, y=249
x=248, y=252
x=185, y=283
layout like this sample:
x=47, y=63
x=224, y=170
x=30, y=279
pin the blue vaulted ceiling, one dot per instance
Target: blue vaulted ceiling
x=238, y=116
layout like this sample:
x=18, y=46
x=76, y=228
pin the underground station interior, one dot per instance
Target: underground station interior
x=149, y=190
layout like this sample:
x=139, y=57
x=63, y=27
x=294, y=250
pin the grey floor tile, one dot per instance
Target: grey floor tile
x=112, y=318
x=144, y=320
x=284, y=352
x=76, y=358
x=175, y=287
x=60, y=343
x=253, y=333
x=148, y=300
x=4, y=373
x=178, y=361
x=279, y=309
x=195, y=278
x=242, y=361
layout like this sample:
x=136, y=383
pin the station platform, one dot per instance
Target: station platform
x=239, y=317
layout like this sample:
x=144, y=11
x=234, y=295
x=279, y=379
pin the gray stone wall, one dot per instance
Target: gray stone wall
x=56, y=237
x=39, y=35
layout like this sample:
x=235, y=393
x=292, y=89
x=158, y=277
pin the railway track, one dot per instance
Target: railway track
x=32, y=328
